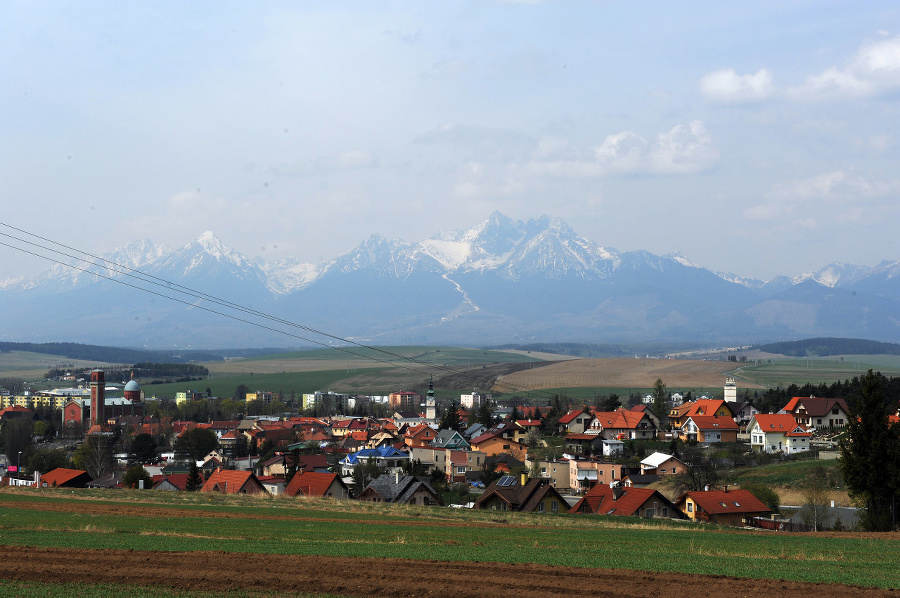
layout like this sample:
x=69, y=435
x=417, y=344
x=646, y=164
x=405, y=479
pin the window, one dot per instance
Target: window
x=540, y=507
x=690, y=507
x=665, y=511
x=505, y=446
x=554, y=506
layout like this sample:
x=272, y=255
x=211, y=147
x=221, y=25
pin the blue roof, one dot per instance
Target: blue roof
x=382, y=451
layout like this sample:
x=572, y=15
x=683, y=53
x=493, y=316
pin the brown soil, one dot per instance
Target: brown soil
x=624, y=373
x=286, y=574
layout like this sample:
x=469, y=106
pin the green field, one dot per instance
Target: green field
x=290, y=526
x=816, y=370
x=223, y=385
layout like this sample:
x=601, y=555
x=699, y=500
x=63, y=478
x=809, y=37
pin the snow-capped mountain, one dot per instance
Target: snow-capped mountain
x=501, y=280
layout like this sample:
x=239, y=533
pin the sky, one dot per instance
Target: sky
x=759, y=138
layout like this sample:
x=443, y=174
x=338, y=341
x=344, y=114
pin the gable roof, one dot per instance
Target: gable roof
x=815, y=406
x=392, y=489
x=570, y=416
x=657, y=459
x=231, y=481
x=520, y=497
x=62, y=476
x=601, y=499
x=711, y=422
x=778, y=423
x=312, y=483
x=718, y=502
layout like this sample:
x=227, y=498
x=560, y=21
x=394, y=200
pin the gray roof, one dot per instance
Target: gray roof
x=400, y=491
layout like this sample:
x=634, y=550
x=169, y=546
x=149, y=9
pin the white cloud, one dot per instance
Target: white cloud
x=682, y=150
x=837, y=185
x=727, y=86
x=873, y=69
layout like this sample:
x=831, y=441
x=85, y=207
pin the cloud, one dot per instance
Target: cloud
x=729, y=87
x=684, y=149
x=873, y=69
x=837, y=185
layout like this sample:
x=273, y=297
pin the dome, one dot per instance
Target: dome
x=132, y=385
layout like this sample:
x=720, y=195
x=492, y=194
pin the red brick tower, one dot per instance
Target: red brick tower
x=98, y=397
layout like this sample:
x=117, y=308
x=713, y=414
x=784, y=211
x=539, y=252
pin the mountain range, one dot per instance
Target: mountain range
x=502, y=281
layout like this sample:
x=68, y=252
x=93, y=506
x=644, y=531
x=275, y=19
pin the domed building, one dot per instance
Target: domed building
x=133, y=390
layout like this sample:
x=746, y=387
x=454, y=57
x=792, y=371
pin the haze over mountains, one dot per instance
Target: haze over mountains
x=498, y=282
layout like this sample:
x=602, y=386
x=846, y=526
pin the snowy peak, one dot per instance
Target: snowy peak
x=835, y=274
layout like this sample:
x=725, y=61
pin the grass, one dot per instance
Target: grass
x=28, y=589
x=816, y=370
x=290, y=526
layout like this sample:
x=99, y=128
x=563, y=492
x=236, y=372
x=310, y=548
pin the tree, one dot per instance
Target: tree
x=17, y=435
x=291, y=464
x=47, y=460
x=95, y=455
x=143, y=449
x=194, y=444
x=194, y=481
x=816, y=494
x=870, y=456
x=610, y=403
x=134, y=476
x=700, y=471
x=485, y=414
x=660, y=401
x=240, y=393
x=451, y=420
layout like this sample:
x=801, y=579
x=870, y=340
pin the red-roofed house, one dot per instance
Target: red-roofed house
x=172, y=481
x=576, y=421
x=727, y=507
x=709, y=429
x=626, y=502
x=817, y=412
x=318, y=485
x=622, y=425
x=65, y=478
x=231, y=481
x=774, y=432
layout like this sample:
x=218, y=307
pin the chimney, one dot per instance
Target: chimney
x=523, y=478
x=397, y=477
x=706, y=488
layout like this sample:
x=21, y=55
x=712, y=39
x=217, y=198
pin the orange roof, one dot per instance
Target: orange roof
x=232, y=482
x=777, y=422
x=61, y=475
x=310, y=483
x=619, y=418
x=571, y=415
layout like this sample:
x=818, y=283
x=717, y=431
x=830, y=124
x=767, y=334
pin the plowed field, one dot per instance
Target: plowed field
x=285, y=574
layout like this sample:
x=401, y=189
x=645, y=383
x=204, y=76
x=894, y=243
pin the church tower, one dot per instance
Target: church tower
x=430, y=405
x=730, y=391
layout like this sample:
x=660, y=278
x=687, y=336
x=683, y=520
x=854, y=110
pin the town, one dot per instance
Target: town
x=660, y=458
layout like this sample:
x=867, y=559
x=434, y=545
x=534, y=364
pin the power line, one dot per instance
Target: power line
x=90, y=260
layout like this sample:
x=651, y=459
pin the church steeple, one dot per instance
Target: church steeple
x=430, y=402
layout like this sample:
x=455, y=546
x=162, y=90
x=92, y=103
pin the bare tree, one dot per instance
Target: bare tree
x=816, y=494
x=95, y=455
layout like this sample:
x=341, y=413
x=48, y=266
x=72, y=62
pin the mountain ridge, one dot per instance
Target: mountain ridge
x=501, y=280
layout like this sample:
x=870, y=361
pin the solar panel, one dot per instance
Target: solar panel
x=507, y=480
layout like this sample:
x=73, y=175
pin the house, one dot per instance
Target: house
x=818, y=412
x=384, y=456
x=709, y=429
x=317, y=485
x=172, y=482
x=450, y=439
x=584, y=474
x=555, y=470
x=420, y=435
x=229, y=481
x=743, y=411
x=637, y=480
x=715, y=407
x=726, y=507
x=62, y=477
x=662, y=464
x=626, y=501
x=495, y=444
x=518, y=493
x=400, y=489
x=623, y=425
x=777, y=432
x=575, y=421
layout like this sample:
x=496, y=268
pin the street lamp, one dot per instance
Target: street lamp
x=19, y=467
